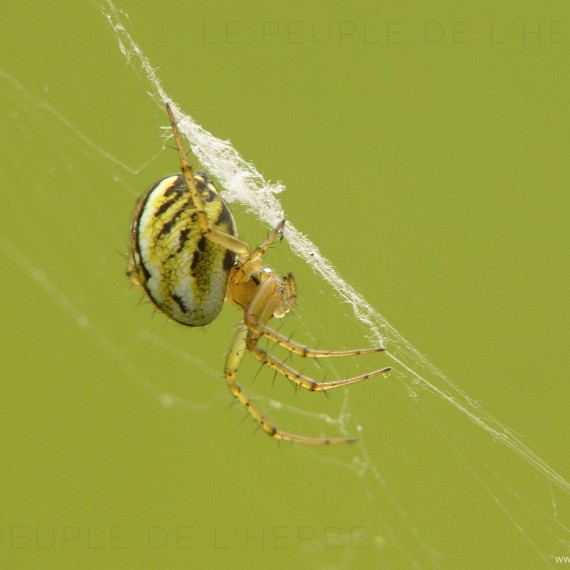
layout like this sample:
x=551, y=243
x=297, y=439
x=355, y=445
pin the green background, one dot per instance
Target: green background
x=424, y=149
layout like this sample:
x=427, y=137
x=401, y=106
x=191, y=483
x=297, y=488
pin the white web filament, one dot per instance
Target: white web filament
x=245, y=185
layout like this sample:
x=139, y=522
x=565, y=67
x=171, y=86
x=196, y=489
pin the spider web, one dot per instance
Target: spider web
x=390, y=519
x=245, y=185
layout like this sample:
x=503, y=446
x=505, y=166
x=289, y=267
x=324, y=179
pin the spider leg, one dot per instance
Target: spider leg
x=267, y=298
x=235, y=353
x=263, y=330
x=304, y=381
x=253, y=262
x=227, y=241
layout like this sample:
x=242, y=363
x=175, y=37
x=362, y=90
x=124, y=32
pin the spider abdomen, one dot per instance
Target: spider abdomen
x=183, y=273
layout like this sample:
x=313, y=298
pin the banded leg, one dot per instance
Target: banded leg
x=235, y=353
x=227, y=241
x=254, y=261
x=260, y=310
x=300, y=349
x=304, y=381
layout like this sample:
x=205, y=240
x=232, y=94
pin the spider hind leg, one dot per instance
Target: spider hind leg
x=233, y=359
x=273, y=297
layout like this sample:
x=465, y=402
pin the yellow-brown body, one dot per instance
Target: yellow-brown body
x=183, y=273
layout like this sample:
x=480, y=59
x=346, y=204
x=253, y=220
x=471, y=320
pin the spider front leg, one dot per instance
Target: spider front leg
x=233, y=359
x=296, y=348
x=268, y=296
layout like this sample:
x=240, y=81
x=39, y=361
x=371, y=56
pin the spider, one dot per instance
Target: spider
x=186, y=255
